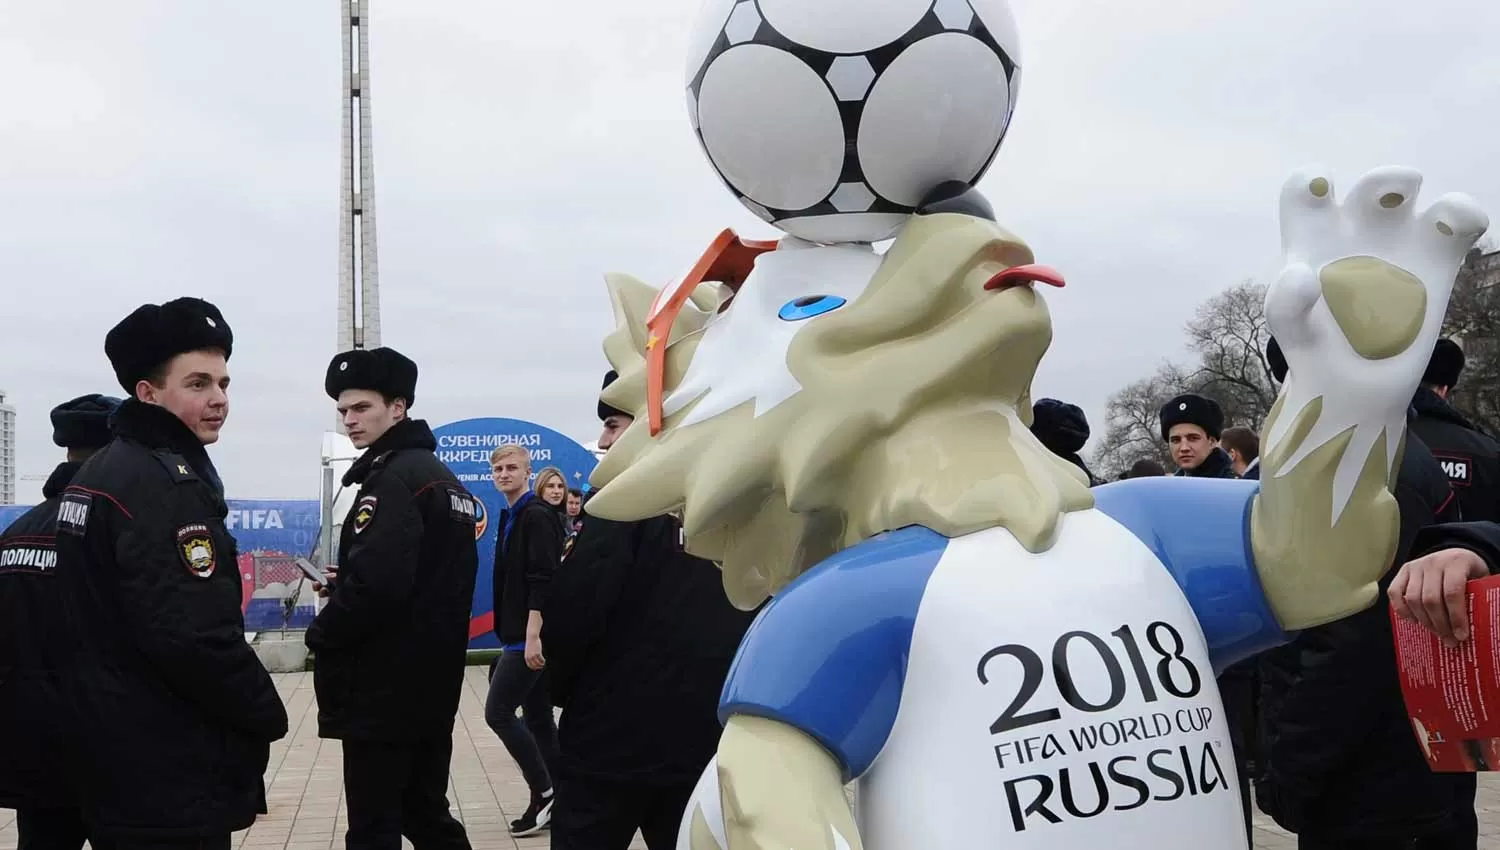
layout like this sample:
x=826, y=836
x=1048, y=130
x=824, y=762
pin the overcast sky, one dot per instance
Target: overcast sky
x=154, y=149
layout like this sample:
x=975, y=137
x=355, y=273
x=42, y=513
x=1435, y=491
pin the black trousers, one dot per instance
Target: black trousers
x=221, y=842
x=395, y=789
x=51, y=829
x=593, y=814
x=1447, y=841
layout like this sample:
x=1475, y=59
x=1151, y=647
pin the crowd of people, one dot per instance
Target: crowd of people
x=134, y=714
x=1319, y=726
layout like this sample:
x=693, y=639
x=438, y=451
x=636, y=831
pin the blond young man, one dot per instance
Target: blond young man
x=528, y=548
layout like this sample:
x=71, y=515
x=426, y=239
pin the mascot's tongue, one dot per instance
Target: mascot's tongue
x=1021, y=275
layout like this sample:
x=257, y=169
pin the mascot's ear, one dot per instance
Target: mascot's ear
x=954, y=196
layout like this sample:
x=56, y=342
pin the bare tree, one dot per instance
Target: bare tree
x=1473, y=320
x=1229, y=335
x=1132, y=423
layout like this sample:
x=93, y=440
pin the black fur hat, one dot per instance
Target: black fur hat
x=1446, y=365
x=1060, y=426
x=605, y=410
x=382, y=370
x=83, y=423
x=155, y=333
x=1192, y=409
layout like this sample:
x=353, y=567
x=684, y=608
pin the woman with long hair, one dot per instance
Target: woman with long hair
x=551, y=487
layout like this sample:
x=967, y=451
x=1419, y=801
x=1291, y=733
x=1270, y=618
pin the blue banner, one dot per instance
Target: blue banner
x=465, y=446
x=269, y=535
x=11, y=513
x=272, y=534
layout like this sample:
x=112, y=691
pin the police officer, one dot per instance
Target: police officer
x=1338, y=763
x=33, y=778
x=640, y=636
x=173, y=714
x=1190, y=426
x=1063, y=429
x=392, y=640
x=1469, y=457
x=1471, y=460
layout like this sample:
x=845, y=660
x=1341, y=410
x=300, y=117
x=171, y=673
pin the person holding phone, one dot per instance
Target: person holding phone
x=392, y=640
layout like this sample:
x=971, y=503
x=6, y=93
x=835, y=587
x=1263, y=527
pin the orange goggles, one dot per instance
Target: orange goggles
x=728, y=260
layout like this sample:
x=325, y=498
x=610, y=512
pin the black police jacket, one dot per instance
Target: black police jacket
x=639, y=636
x=392, y=640
x=32, y=728
x=1482, y=538
x=1470, y=458
x=173, y=714
x=1340, y=760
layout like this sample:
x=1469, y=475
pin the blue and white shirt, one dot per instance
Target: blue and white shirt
x=986, y=696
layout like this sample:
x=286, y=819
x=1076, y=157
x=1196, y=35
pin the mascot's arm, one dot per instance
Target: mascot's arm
x=1315, y=567
x=812, y=697
x=1199, y=528
x=1356, y=309
x=779, y=788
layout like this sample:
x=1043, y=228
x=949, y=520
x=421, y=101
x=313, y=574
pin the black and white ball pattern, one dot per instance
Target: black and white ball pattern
x=831, y=119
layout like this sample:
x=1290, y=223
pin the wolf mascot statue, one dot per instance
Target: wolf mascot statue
x=993, y=654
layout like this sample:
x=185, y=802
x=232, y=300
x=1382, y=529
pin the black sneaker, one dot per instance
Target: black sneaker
x=535, y=818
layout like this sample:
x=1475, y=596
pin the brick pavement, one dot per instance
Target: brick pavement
x=305, y=786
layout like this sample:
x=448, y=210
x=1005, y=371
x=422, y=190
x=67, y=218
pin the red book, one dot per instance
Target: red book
x=1453, y=693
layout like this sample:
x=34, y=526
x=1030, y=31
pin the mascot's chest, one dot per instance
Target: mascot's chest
x=1057, y=700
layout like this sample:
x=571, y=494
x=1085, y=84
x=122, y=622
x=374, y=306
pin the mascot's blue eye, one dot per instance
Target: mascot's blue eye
x=808, y=306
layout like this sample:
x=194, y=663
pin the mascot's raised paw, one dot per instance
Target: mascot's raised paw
x=1360, y=298
x=1383, y=271
x=1356, y=309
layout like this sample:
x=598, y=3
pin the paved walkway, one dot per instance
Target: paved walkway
x=305, y=786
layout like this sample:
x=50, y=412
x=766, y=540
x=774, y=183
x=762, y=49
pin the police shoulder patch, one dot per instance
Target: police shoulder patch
x=36, y=555
x=73, y=512
x=364, y=512
x=1458, y=467
x=176, y=465
x=195, y=546
x=462, y=507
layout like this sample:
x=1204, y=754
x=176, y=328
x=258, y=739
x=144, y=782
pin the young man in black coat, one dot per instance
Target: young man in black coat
x=1469, y=457
x=392, y=640
x=1191, y=425
x=639, y=637
x=1341, y=767
x=172, y=713
x=528, y=549
x=34, y=779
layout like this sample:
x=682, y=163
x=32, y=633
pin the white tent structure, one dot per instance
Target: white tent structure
x=338, y=455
